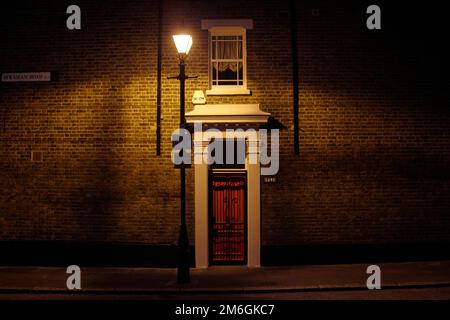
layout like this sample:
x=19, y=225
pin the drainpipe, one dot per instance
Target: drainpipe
x=158, y=79
x=295, y=80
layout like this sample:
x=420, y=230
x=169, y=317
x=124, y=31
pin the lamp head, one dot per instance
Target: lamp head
x=183, y=42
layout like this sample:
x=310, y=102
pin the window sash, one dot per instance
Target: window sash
x=216, y=79
x=217, y=46
x=241, y=70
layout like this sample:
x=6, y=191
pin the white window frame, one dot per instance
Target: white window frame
x=228, y=28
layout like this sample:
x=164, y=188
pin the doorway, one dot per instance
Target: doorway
x=227, y=217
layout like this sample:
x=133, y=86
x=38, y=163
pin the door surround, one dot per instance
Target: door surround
x=227, y=114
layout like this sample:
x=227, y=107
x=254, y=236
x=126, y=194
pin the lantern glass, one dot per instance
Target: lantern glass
x=183, y=42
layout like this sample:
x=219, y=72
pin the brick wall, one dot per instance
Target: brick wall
x=100, y=179
x=374, y=160
x=374, y=151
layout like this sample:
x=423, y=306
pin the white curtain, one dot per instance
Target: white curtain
x=228, y=50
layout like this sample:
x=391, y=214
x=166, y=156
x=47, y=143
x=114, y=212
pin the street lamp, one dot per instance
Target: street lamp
x=183, y=42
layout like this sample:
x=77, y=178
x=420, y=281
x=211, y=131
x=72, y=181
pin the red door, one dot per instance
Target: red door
x=228, y=227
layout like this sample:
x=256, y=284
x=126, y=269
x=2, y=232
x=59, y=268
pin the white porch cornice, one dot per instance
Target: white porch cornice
x=227, y=113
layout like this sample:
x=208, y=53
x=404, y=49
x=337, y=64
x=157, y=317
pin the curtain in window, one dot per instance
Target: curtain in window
x=229, y=50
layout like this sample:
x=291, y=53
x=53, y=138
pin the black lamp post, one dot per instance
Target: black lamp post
x=183, y=44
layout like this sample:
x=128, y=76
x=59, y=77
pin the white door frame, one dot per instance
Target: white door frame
x=253, y=203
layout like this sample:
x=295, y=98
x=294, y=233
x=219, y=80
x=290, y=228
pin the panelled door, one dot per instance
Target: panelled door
x=228, y=217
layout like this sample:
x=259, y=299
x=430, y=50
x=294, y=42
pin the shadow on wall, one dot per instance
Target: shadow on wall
x=98, y=191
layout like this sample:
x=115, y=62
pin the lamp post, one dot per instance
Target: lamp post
x=183, y=42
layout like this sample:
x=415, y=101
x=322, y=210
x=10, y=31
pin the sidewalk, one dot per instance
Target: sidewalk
x=225, y=279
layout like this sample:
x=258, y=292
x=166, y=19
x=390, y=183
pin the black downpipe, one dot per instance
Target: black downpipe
x=158, y=80
x=295, y=80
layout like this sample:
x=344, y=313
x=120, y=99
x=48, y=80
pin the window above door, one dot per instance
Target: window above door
x=227, y=56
